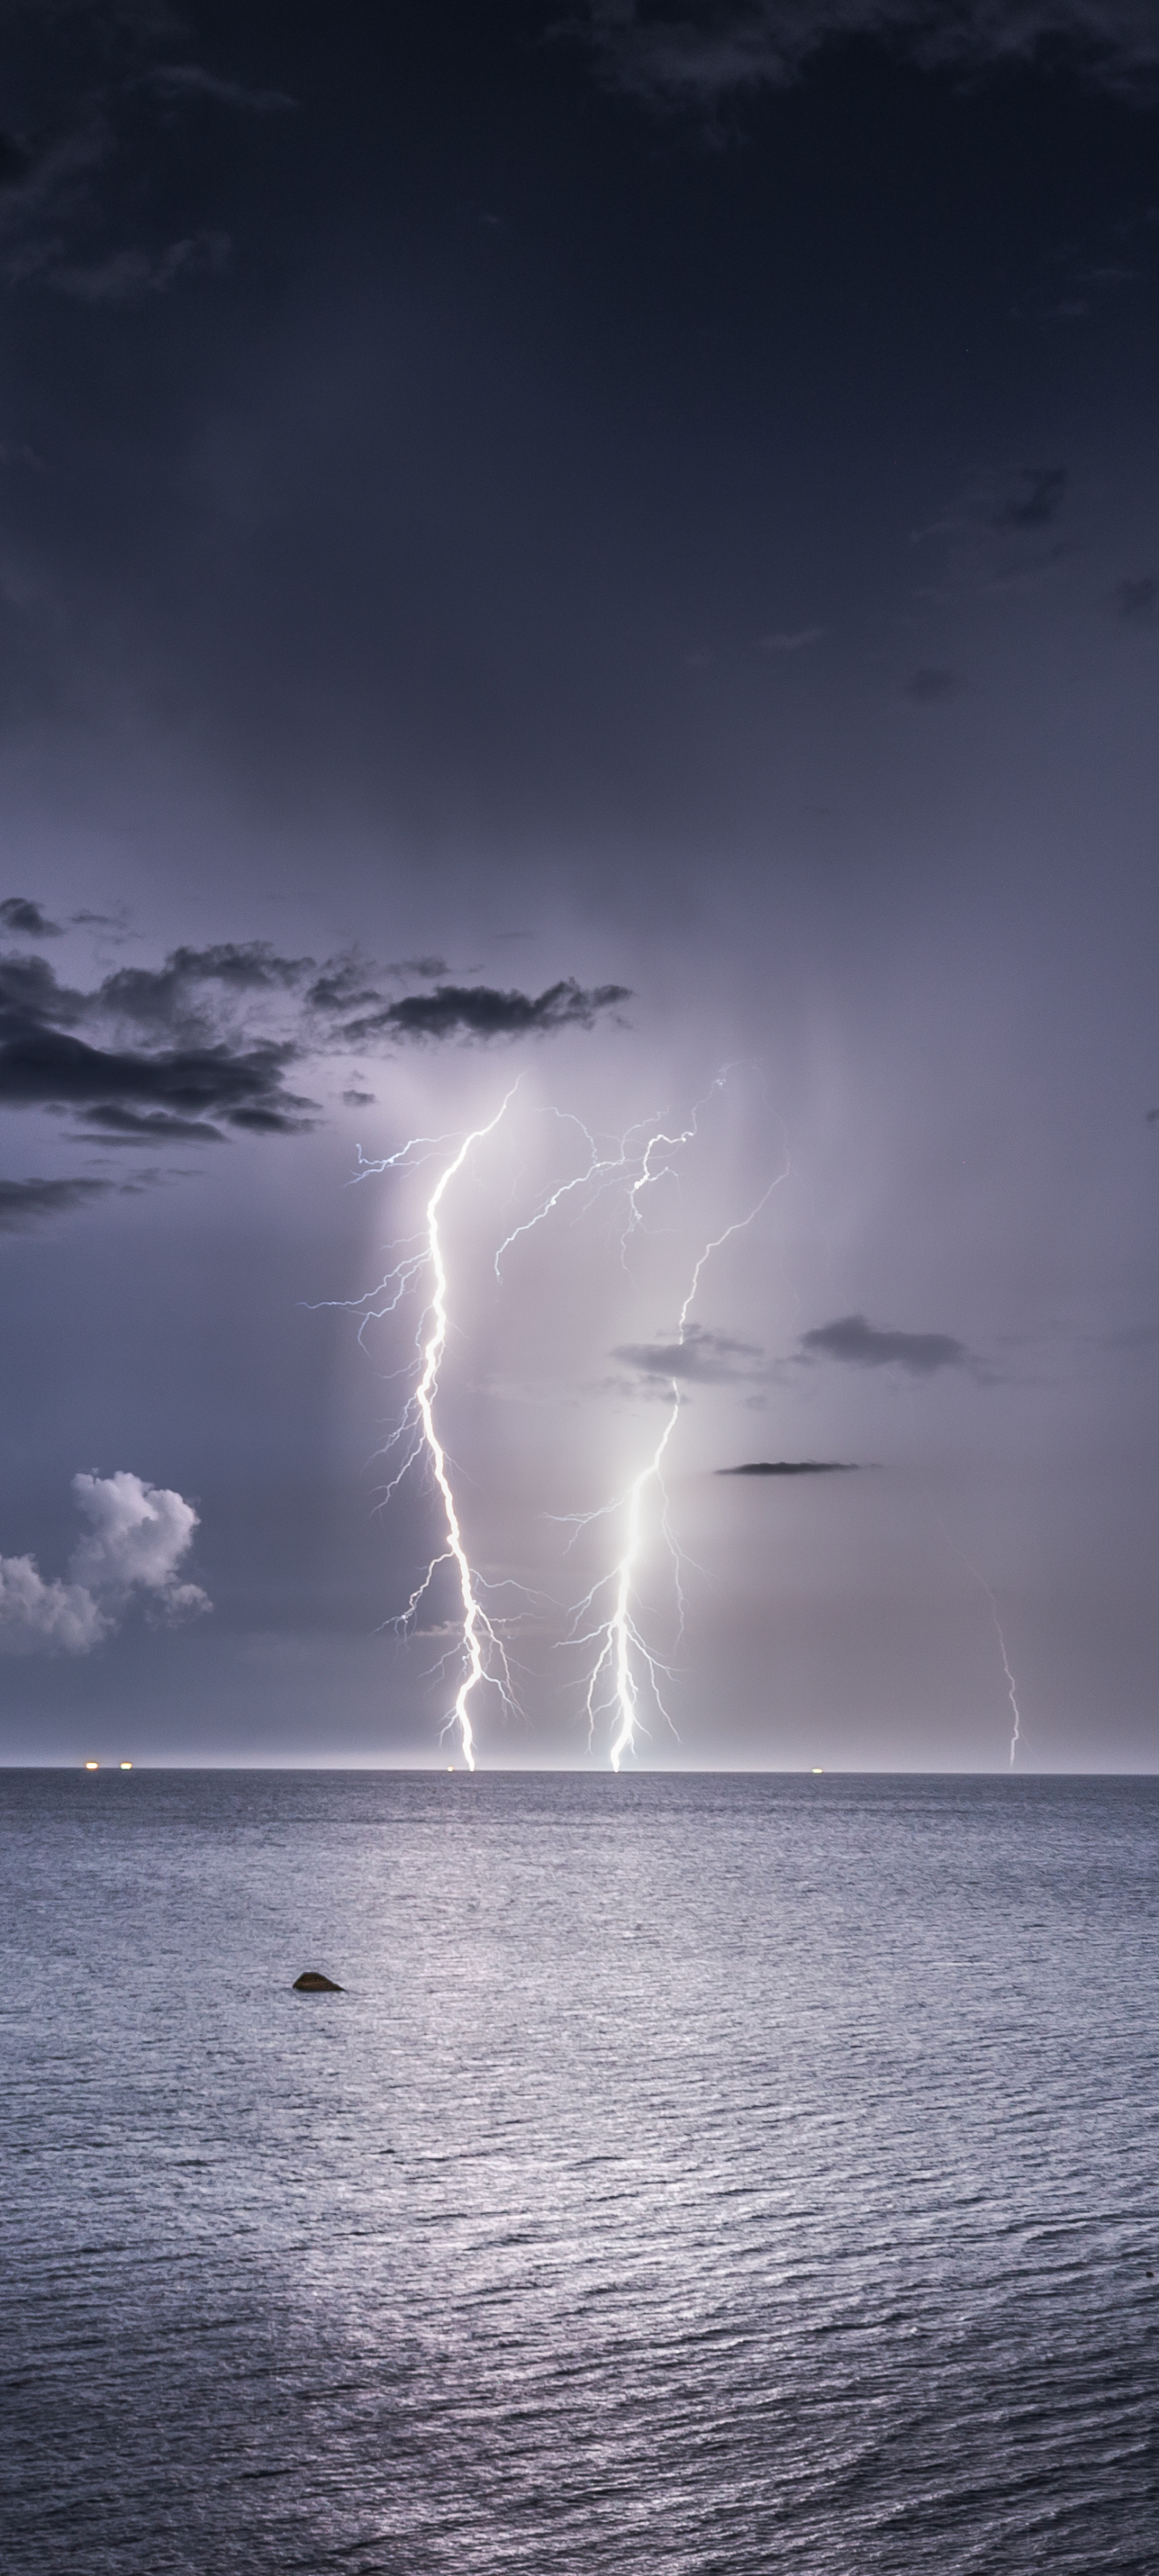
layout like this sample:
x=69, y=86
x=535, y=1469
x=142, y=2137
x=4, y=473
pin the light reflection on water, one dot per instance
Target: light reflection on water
x=695, y=2174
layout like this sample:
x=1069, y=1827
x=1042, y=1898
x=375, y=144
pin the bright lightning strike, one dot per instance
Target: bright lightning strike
x=623, y=1660
x=483, y=1657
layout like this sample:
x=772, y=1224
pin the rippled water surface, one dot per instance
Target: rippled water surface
x=695, y=2174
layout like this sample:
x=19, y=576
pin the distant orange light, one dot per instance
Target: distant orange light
x=92, y=1766
x=126, y=1766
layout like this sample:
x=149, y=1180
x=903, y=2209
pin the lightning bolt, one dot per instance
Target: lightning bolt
x=1011, y=1684
x=483, y=1657
x=622, y=1654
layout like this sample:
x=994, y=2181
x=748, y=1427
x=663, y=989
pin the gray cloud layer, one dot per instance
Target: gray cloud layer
x=27, y=1203
x=865, y=1345
x=699, y=50
x=703, y=1357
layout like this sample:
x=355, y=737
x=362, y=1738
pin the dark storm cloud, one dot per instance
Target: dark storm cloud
x=1136, y=601
x=28, y=1203
x=931, y=687
x=703, y=1358
x=790, y=1467
x=43, y=1064
x=173, y=995
x=865, y=1345
x=343, y=986
x=25, y=920
x=480, y=1011
x=1036, y=500
x=177, y=1053
x=48, y=1068
x=700, y=50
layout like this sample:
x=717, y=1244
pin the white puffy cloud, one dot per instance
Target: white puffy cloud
x=138, y=1536
x=700, y=49
x=57, y=1615
x=139, y=1533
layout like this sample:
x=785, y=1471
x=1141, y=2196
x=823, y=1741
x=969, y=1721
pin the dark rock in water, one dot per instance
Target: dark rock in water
x=310, y=1983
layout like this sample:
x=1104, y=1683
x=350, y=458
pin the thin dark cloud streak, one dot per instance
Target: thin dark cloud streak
x=481, y=1011
x=791, y=1467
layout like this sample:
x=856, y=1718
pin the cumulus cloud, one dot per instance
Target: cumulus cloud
x=866, y=1345
x=698, y=51
x=59, y=1617
x=138, y=1537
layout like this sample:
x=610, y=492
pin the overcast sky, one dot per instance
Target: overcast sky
x=613, y=551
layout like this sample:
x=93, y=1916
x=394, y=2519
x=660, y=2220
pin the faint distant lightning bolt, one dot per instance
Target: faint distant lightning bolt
x=480, y=1643
x=621, y=1646
x=1011, y=1684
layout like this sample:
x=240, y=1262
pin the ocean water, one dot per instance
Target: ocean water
x=696, y=2174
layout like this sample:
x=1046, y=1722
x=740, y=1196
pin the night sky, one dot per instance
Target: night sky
x=613, y=551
